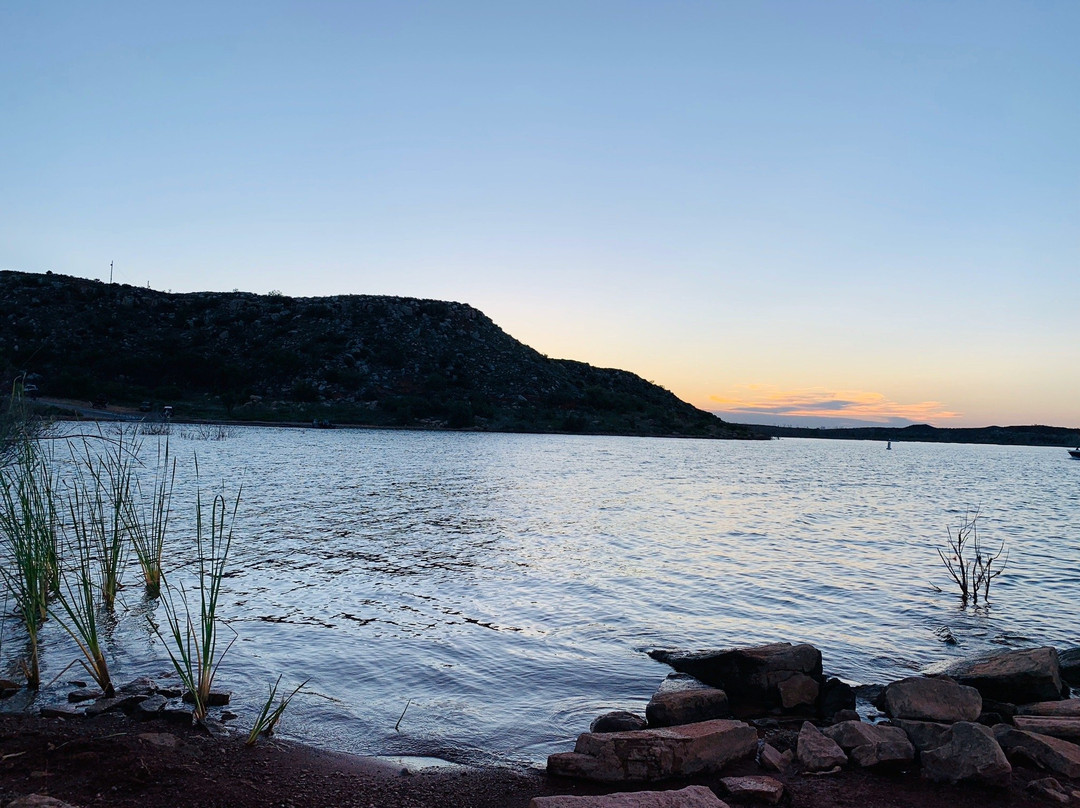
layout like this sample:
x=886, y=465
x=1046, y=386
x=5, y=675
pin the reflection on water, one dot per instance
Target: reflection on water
x=508, y=584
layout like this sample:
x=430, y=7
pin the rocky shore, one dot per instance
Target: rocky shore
x=736, y=727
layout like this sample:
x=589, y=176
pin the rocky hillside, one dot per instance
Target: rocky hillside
x=348, y=359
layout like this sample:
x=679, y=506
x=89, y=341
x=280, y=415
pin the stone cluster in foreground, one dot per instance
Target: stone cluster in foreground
x=967, y=724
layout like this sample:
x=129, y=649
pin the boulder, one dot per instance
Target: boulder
x=656, y=754
x=923, y=698
x=798, y=691
x=1060, y=757
x=617, y=721
x=1017, y=677
x=682, y=699
x=754, y=789
x=1057, y=727
x=1069, y=661
x=836, y=696
x=750, y=676
x=970, y=754
x=872, y=744
x=816, y=752
x=689, y=797
x=1066, y=708
x=924, y=735
x=1050, y=789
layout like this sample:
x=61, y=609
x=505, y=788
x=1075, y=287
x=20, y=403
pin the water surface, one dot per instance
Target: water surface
x=506, y=587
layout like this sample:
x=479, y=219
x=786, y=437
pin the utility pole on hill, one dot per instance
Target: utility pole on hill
x=110, y=273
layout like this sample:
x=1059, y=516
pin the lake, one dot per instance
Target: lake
x=507, y=587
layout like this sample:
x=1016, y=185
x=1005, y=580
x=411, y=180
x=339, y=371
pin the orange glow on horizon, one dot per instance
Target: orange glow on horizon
x=820, y=402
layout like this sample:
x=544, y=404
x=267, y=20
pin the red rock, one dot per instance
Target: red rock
x=970, y=754
x=923, y=698
x=754, y=789
x=1066, y=708
x=817, y=752
x=1067, y=728
x=655, y=754
x=1060, y=757
x=689, y=797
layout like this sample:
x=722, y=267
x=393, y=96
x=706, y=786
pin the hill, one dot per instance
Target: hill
x=1015, y=435
x=356, y=359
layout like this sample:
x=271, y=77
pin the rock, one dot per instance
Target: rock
x=1049, y=788
x=769, y=757
x=1069, y=662
x=151, y=706
x=689, y=797
x=923, y=698
x=84, y=694
x=38, y=801
x=60, y=711
x=617, y=721
x=216, y=698
x=161, y=739
x=872, y=744
x=970, y=754
x=845, y=715
x=1066, y=708
x=1060, y=757
x=924, y=735
x=655, y=754
x=798, y=690
x=816, y=752
x=754, y=789
x=1066, y=727
x=836, y=696
x=750, y=676
x=143, y=686
x=1031, y=674
x=685, y=700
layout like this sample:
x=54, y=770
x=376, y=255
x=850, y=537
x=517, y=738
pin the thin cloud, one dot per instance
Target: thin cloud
x=820, y=402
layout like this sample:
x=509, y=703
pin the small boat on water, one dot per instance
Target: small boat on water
x=1075, y=452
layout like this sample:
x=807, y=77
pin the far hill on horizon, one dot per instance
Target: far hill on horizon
x=347, y=359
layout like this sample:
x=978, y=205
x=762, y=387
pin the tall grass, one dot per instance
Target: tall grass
x=28, y=530
x=79, y=602
x=192, y=641
x=147, y=524
x=103, y=483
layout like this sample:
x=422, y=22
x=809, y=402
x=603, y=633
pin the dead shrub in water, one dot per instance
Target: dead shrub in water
x=977, y=571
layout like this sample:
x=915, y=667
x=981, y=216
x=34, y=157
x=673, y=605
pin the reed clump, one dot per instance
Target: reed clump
x=270, y=714
x=148, y=522
x=192, y=640
x=31, y=566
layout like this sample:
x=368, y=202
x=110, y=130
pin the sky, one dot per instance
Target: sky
x=783, y=212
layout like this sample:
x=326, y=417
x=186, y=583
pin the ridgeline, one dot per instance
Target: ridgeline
x=355, y=359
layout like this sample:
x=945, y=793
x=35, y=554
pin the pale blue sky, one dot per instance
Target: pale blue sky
x=868, y=209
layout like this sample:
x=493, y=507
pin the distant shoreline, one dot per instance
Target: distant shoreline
x=1035, y=435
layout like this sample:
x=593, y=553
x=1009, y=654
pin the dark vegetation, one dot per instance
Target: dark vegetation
x=356, y=359
x=924, y=433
